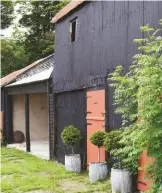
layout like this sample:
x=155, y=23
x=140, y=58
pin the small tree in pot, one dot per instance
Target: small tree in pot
x=120, y=174
x=70, y=137
x=98, y=170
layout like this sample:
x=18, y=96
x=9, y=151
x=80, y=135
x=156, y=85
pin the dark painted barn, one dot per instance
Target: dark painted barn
x=91, y=39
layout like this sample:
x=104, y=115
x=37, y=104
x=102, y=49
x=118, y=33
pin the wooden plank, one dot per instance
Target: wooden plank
x=33, y=88
x=50, y=99
x=8, y=119
x=27, y=127
x=73, y=112
x=96, y=122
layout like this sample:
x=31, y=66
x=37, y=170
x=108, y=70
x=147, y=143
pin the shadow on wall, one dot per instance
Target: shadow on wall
x=38, y=111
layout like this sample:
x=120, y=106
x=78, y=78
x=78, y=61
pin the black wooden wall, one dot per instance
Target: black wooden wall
x=70, y=109
x=105, y=34
x=8, y=124
x=2, y=99
x=51, y=114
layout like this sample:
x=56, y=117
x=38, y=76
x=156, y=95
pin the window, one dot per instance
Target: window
x=73, y=24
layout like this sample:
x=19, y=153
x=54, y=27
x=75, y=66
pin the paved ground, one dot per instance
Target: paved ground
x=38, y=148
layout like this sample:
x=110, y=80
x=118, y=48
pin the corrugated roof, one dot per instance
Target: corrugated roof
x=11, y=77
x=67, y=9
x=45, y=75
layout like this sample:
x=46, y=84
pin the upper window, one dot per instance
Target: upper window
x=73, y=24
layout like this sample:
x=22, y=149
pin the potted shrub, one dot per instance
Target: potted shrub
x=98, y=170
x=71, y=136
x=121, y=179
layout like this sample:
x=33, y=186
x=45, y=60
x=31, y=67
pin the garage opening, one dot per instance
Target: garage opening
x=38, y=120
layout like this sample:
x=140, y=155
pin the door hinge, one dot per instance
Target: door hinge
x=88, y=112
x=88, y=123
x=103, y=113
x=88, y=97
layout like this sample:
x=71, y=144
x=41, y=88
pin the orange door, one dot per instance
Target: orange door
x=95, y=122
x=143, y=182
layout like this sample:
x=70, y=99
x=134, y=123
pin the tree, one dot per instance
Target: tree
x=70, y=136
x=37, y=42
x=139, y=96
x=12, y=56
x=97, y=139
x=7, y=10
x=37, y=18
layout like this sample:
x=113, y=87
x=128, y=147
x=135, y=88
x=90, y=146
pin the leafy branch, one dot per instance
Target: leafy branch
x=138, y=95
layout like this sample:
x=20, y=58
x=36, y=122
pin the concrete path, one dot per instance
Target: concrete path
x=38, y=148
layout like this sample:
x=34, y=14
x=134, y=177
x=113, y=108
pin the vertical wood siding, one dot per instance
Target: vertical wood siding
x=2, y=99
x=8, y=119
x=105, y=34
x=70, y=109
x=51, y=116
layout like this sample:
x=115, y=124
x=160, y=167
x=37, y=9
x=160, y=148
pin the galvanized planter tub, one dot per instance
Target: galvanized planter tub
x=97, y=171
x=121, y=180
x=73, y=162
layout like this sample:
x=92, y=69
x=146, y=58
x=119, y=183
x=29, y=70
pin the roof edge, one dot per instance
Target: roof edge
x=13, y=75
x=34, y=64
x=21, y=82
x=67, y=9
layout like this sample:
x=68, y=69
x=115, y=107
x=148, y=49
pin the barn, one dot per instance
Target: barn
x=92, y=38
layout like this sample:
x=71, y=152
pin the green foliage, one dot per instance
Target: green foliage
x=112, y=140
x=139, y=96
x=7, y=9
x=70, y=136
x=98, y=138
x=39, y=41
x=127, y=153
x=3, y=142
x=112, y=144
x=3, y=139
x=12, y=56
x=120, y=146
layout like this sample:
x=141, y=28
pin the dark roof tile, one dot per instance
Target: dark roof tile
x=11, y=77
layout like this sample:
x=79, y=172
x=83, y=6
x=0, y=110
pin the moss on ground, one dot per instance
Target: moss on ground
x=22, y=172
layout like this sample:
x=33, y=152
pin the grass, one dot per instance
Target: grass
x=22, y=172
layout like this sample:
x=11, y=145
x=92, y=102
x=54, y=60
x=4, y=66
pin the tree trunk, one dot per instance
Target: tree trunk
x=72, y=150
x=99, y=155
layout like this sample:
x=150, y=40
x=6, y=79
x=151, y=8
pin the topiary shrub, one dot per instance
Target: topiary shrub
x=98, y=139
x=70, y=136
x=112, y=140
x=112, y=144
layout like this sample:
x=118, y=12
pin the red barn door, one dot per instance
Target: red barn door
x=95, y=122
x=144, y=183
